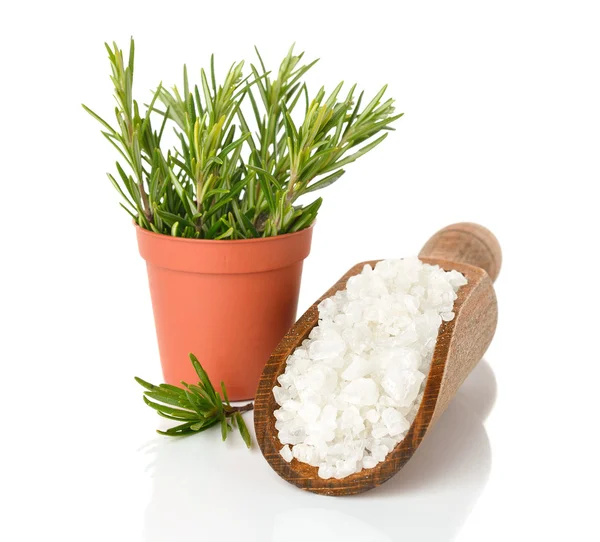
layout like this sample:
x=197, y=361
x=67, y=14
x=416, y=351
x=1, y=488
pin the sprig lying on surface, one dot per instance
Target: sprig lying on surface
x=197, y=406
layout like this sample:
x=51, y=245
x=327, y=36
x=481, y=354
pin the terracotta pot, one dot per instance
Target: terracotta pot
x=228, y=302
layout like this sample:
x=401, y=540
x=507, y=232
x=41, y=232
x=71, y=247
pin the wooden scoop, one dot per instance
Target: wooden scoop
x=469, y=248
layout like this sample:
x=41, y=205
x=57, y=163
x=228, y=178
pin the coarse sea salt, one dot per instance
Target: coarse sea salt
x=350, y=392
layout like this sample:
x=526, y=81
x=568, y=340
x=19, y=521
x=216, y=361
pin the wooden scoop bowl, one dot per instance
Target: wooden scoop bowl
x=469, y=248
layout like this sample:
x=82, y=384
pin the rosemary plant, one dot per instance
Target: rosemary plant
x=230, y=177
x=198, y=407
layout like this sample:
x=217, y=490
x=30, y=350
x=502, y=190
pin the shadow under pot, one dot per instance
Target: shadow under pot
x=228, y=302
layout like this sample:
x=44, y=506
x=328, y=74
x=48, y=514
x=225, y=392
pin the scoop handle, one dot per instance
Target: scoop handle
x=467, y=243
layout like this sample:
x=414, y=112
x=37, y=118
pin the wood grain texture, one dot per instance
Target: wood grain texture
x=468, y=243
x=460, y=345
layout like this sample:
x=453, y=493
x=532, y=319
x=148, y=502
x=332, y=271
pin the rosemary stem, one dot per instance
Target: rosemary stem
x=244, y=408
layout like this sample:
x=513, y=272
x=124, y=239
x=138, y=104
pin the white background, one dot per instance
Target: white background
x=502, y=127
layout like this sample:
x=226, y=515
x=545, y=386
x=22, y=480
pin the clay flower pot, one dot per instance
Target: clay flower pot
x=228, y=302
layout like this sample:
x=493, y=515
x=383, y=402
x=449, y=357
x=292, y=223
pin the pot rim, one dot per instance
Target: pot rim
x=209, y=256
x=255, y=240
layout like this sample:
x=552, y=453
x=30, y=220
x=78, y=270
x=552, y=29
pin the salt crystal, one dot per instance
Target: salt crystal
x=309, y=412
x=335, y=362
x=286, y=453
x=285, y=380
x=327, y=308
x=402, y=385
x=306, y=454
x=351, y=419
x=281, y=395
x=411, y=303
x=291, y=405
x=456, y=279
x=321, y=349
x=389, y=442
x=362, y=391
x=380, y=431
x=328, y=416
x=351, y=390
x=358, y=368
x=408, y=336
x=282, y=415
x=372, y=416
x=369, y=462
x=379, y=452
x=394, y=421
x=325, y=471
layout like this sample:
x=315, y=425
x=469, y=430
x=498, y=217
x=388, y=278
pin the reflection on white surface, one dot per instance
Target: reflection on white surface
x=203, y=487
x=308, y=524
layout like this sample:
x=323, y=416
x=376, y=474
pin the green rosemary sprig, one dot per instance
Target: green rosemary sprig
x=294, y=158
x=137, y=144
x=209, y=157
x=197, y=406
